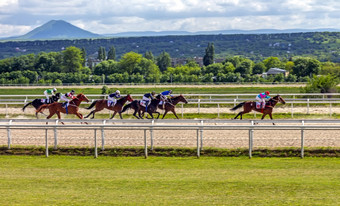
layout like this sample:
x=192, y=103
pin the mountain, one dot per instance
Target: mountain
x=57, y=29
x=181, y=33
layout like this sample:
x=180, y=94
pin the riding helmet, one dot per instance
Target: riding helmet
x=72, y=91
x=153, y=92
x=54, y=89
x=267, y=93
x=117, y=92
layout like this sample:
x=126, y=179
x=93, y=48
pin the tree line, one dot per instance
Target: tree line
x=68, y=66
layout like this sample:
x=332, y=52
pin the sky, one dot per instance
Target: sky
x=17, y=17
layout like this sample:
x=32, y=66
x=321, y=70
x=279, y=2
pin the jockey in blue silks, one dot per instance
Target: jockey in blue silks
x=113, y=98
x=164, y=98
x=262, y=98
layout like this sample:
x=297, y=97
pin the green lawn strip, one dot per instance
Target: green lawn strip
x=65, y=180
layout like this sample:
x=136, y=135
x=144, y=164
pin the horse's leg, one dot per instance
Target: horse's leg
x=120, y=115
x=113, y=114
x=174, y=112
x=89, y=114
x=237, y=115
x=158, y=114
x=59, y=117
x=271, y=117
x=166, y=111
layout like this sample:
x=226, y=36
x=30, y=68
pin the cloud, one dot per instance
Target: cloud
x=111, y=16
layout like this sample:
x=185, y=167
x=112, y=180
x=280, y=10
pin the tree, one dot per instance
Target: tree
x=72, y=59
x=306, y=66
x=163, y=61
x=101, y=53
x=209, y=56
x=112, y=53
x=259, y=68
x=129, y=62
x=323, y=84
x=83, y=55
x=273, y=62
x=149, y=55
x=245, y=67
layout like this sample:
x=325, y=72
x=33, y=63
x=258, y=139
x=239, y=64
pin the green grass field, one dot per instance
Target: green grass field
x=67, y=180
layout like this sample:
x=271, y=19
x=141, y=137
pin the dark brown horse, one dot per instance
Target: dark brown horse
x=72, y=108
x=249, y=106
x=135, y=105
x=171, y=103
x=102, y=104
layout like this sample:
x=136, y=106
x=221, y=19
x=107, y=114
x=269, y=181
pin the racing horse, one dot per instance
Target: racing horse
x=72, y=108
x=38, y=102
x=137, y=107
x=103, y=103
x=171, y=103
x=251, y=105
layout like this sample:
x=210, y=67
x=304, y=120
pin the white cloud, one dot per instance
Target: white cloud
x=111, y=16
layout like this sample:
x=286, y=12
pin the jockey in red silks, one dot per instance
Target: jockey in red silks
x=262, y=98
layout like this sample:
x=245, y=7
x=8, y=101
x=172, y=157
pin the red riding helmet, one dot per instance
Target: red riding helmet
x=267, y=93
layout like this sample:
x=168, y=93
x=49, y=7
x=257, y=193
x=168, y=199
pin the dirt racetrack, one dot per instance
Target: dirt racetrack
x=176, y=138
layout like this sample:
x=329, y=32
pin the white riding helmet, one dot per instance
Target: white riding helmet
x=117, y=92
x=54, y=89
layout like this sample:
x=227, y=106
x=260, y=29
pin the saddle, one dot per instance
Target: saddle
x=259, y=105
x=110, y=103
x=45, y=101
x=142, y=103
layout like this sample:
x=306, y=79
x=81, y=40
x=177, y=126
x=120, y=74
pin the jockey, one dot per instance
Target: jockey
x=113, y=98
x=66, y=96
x=49, y=91
x=164, y=98
x=262, y=98
x=148, y=97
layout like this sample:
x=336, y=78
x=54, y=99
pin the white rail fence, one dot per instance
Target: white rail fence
x=198, y=100
x=152, y=125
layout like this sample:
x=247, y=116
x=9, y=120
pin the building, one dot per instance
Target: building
x=275, y=71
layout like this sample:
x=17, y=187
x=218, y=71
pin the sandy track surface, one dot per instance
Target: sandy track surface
x=176, y=138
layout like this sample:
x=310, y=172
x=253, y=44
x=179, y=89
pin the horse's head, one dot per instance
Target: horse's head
x=182, y=99
x=278, y=98
x=82, y=97
x=129, y=98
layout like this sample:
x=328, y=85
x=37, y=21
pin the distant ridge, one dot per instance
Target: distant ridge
x=258, y=31
x=56, y=29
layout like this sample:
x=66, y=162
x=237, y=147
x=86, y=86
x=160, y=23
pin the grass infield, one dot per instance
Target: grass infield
x=71, y=180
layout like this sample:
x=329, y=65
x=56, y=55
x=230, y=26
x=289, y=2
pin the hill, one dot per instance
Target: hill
x=56, y=29
x=321, y=45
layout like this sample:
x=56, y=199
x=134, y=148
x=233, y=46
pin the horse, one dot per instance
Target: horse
x=38, y=102
x=135, y=105
x=250, y=105
x=170, y=105
x=72, y=108
x=102, y=104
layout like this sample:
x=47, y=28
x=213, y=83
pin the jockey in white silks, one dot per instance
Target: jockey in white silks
x=112, y=98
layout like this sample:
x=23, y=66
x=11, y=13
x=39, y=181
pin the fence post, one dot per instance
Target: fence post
x=182, y=110
x=151, y=134
x=95, y=144
x=103, y=136
x=55, y=135
x=145, y=145
x=198, y=144
x=198, y=107
x=46, y=143
x=307, y=106
x=9, y=135
x=201, y=134
x=330, y=109
x=292, y=109
x=218, y=110
x=302, y=139
x=6, y=110
x=251, y=140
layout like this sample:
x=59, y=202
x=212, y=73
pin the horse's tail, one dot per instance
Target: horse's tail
x=23, y=109
x=92, y=105
x=237, y=106
x=42, y=107
x=128, y=106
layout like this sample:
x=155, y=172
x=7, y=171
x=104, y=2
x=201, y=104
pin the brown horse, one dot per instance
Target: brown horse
x=102, y=104
x=72, y=108
x=170, y=105
x=249, y=106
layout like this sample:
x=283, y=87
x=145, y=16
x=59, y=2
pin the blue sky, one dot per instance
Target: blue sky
x=18, y=17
